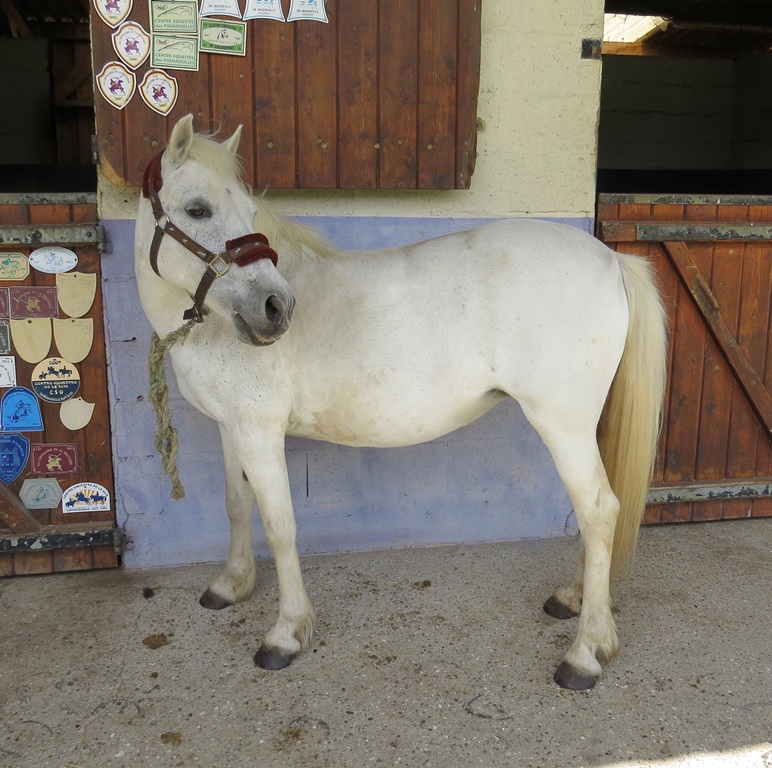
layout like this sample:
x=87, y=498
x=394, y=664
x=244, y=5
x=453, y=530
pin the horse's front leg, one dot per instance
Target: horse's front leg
x=262, y=456
x=237, y=580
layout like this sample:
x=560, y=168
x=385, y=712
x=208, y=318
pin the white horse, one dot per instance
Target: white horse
x=397, y=347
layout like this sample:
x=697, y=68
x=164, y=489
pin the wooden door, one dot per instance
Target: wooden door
x=46, y=539
x=714, y=259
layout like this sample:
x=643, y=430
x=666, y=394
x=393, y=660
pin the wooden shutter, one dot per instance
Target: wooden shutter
x=384, y=96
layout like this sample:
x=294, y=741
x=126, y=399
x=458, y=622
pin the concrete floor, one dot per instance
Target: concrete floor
x=438, y=657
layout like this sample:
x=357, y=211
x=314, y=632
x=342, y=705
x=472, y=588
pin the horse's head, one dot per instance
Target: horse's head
x=199, y=199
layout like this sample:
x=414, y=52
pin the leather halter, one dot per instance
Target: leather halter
x=243, y=250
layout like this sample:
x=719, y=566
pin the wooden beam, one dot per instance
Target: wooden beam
x=14, y=514
x=657, y=232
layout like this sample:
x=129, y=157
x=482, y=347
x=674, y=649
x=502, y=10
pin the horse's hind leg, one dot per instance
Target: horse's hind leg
x=596, y=507
x=237, y=580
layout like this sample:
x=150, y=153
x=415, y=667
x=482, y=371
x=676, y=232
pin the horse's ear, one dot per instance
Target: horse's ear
x=181, y=139
x=232, y=144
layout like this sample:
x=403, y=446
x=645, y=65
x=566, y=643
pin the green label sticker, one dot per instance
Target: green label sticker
x=174, y=52
x=179, y=17
x=218, y=36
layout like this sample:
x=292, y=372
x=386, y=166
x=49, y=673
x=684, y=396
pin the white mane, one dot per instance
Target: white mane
x=281, y=232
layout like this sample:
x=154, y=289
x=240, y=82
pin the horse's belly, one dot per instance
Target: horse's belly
x=351, y=420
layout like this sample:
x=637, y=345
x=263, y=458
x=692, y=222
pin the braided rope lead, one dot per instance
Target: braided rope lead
x=166, y=441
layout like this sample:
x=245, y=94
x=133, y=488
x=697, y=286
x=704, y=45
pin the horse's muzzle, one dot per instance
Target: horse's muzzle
x=274, y=324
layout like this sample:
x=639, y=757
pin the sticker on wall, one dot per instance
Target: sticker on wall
x=5, y=337
x=7, y=371
x=159, y=91
x=86, y=497
x=31, y=338
x=40, y=493
x=74, y=337
x=229, y=37
x=54, y=458
x=174, y=52
x=116, y=84
x=53, y=259
x=76, y=292
x=113, y=12
x=33, y=301
x=131, y=43
x=179, y=17
x=76, y=413
x=5, y=303
x=20, y=411
x=311, y=10
x=220, y=8
x=14, y=450
x=264, y=9
x=13, y=266
x=55, y=380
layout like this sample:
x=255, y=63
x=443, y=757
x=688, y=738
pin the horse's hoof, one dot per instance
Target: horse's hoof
x=558, y=610
x=567, y=676
x=270, y=658
x=212, y=601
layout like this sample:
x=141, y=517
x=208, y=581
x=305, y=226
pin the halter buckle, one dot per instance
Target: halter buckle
x=219, y=265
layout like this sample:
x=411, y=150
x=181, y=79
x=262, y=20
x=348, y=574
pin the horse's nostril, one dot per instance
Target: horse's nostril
x=275, y=309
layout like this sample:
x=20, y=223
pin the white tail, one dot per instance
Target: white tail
x=631, y=420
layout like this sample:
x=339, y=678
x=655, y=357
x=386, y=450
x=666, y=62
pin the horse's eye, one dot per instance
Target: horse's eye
x=198, y=212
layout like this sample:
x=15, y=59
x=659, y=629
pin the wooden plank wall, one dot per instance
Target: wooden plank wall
x=710, y=431
x=384, y=96
x=94, y=446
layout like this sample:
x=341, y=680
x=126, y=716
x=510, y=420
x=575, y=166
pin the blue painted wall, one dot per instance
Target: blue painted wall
x=490, y=481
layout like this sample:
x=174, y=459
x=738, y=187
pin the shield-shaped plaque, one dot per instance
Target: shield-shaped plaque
x=113, y=12
x=131, y=43
x=40, y=493
x=159, y=91
x=14, y=450
x=116, y=83
x=76, y=291
x=20, y=411
x=74, y=337
x=31, y=338
x=5, y=337
x=86, y=497
x=76, y=413
x=53, y=258
x=13, y=266
x=55, y=380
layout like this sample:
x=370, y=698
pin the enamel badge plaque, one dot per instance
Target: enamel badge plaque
x=55, y=380
x=14, y=450
x=20, y=411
